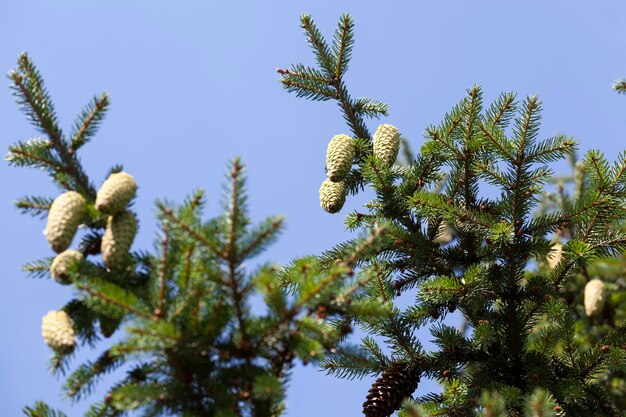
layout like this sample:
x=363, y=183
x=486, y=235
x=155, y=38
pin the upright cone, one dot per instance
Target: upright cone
x=116, y=192
x=66, y=213
x=332, y=195
x=58, y=331
x=386, y=143
x=118, y=238
x=387, y=393
x=339, y=157
x=594, y=297
x=62, y=263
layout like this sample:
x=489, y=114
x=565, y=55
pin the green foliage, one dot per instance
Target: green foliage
x=526, y=348
x=187, y=338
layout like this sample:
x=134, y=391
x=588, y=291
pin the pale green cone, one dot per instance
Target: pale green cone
x=332, y=195
x=65, y=215
x=594, y=297
x=118, y=238
x=62, y=263
x=58, y=331
x=339, y=157
x=386, y=143
x=116, y=192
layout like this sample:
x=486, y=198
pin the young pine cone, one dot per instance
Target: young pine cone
x=332, y=195
x=117, y=239
x=386, y=144
x=339, y=157
x=66, y=213
x=394, y=385
x=62, y=263
x=594, y=297
x=58, y=332
x=116, y=192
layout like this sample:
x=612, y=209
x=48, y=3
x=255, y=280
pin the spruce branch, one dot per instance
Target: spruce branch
x=42, y=409
x=35, y=102
x=33, y=205
x=620, y=86
x=87, y=124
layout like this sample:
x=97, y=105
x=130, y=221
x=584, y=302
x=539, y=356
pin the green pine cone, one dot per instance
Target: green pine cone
x=58, y=332
x=386, y=144
x=339, y=157
x=116, y=192
x=594, y=297
x=118, y=238
x=62, y=263
x=66, y=213
x=332, y=195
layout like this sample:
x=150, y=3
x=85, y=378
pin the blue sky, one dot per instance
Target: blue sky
x=194, y=84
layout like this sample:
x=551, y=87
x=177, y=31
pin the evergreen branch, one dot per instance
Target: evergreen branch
x=306, y=82
x=314, y=37
x=236, y=208
x=620, y=86
x=114, y=300
x=342, y=44
x=497, y=141
x=42, y=410
x=165, y=245
x=83, y=380
x=501, y=111
x=527, y=126
x=35, y=101
x=86, y=126
x=169, y=213
x=39, y=268
x=268, y=232
x=371, y=108
x=434, y=135
x=35, y=206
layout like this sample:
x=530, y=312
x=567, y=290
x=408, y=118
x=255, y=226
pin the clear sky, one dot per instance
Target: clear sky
x=193, y=83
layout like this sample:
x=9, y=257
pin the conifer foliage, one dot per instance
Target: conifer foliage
x=522, y=353
x=187, y=340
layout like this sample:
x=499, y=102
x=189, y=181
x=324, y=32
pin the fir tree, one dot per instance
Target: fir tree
x=527, y=349
x=187, y=339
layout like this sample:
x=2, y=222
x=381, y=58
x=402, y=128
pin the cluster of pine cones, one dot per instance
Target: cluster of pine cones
x=66, y=213
x=594, y=294
x=340, y=157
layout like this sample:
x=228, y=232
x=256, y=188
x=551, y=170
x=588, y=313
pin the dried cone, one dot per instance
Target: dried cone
x=387, y=393
x=554, y=257
x=62, y=263
x=332, y=195
x=386, y=144
x=339, y=157
x=116, y=192
x=66, y=213
x=117, y=239
x=58, y=332
x=594, y=297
